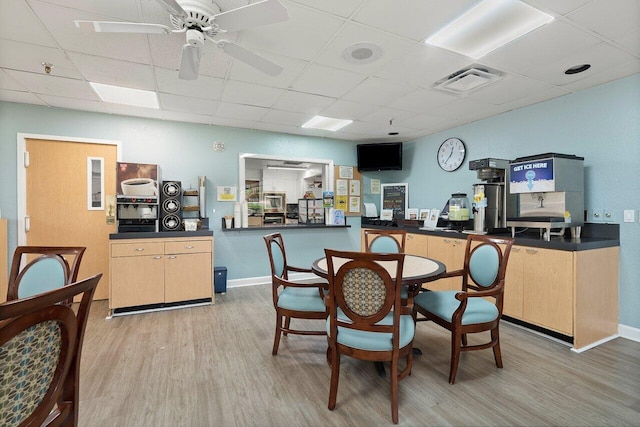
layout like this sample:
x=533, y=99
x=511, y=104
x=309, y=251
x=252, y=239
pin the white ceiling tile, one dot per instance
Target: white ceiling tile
x=601, y=57
x=19, y=97
x=245, y=93
x=187, y=104
x=536, y=97
x=302, y=102
x=377, y=91
x=291, y=69
x=606, y=75
x=466, y=109
x=597, y=16
x=59, y=22
x=631, y=41
x=122, y=9
x=236, y=123
x=507, y=89
x=27, y=57
x=203, y=87
x=53, y=85
x=74, y=103
x=286, y=118
x=182, y=116
x=327, y=81
x=17, y=20
x=546, y=44
x=560, y=7
x=423, y=65
x=302, y=36
x=416, y=19
x=129, y=110
x=383, y=115
x=8, y=83
x=114, y=72
x=422, y=121
x=343, y=8
x=423, y=100
x=349, y=110
x=240, y=112
x=350, y=34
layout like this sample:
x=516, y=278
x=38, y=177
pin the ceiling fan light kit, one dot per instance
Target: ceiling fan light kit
x=202, y=20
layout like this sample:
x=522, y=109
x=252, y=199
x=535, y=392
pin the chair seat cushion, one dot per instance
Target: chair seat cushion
x=444, y=303
x=301, y=299
x=375, y=341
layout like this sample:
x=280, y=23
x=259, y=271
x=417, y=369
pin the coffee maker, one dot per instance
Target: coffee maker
x=492, y=204
x=550, y=193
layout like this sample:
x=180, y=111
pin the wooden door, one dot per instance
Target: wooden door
x=56, y=202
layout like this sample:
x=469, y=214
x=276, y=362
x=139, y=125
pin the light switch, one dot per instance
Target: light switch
x=629, y=215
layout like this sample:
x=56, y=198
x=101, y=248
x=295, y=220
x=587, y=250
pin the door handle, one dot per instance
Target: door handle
x=27, y=224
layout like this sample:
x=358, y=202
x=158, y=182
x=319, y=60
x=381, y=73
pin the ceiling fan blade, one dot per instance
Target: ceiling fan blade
x=250, y=58
x=189, y=62
x=122, y=27
x=173, y=8
x=252, y=15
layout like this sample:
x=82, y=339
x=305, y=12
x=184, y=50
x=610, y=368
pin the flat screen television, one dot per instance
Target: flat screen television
x=380, y=157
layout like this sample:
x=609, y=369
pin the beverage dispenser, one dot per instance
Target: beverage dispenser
x=492, y=203
x=550, y=193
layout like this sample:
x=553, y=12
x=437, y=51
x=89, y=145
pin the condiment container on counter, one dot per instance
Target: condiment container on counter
x=459, y=207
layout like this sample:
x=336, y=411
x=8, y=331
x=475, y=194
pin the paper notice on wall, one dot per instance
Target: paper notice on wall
x=345, y=172
x=354, y=187
x=375, y=186
x=354, y=204
x=342, y=187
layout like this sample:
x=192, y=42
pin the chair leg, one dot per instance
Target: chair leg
x=287, y=322
x=276, y=340
x=495, y=337
x=455, y=356
x=394, y=390
x=464, y=340
x=335, y=376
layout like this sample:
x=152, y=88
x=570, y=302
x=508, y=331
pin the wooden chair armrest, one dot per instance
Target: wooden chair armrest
x=287, y=283
x=299, y=269
x=454, y=273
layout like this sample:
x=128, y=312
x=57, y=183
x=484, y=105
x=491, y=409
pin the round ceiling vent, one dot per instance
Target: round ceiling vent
x=362, y=53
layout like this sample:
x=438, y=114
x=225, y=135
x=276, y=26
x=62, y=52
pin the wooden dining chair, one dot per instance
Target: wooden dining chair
x=45, y=268
x=40, y=349
x=477, y=307
x=291, y=299
x=366, y=318
x=384, y=240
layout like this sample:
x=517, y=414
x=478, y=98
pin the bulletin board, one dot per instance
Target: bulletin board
x=347, y=190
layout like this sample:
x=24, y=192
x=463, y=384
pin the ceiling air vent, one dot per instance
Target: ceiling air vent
x=469, y=79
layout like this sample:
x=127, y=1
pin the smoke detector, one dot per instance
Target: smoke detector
x=469, y=79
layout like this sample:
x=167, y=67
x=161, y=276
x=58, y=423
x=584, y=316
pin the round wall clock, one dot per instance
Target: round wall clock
x=451, y=154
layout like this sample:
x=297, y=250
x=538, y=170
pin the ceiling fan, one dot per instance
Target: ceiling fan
x=202, y=20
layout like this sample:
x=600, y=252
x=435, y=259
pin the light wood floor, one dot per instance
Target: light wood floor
x=212, y=366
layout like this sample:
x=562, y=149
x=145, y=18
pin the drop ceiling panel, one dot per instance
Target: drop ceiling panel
x=53, y=85
x=631, y=42
x=423, y=100
x=383, y=115
x=128, y=110
x=187, y=105
x=286, y=118
x=302, y=102
x=350, y=34
x=560, y=7
x=74, y=103
x=416, y=19
x=343, y=8
x=203, y=87
x=27, y=57
x=605, y=76
x=507, y=90
x=120, y=9
x=349, y=110
x=19, y=97
x=240, y=112
x=597, y=17
x=114, y=72
x=291, y=69
x=186, y=117
x=377, y=91
x=17, y=19
x=536, y=97
x=8, y=83
x=245, y=93
x=327, y=81
x=422, y=121
x=301, y=37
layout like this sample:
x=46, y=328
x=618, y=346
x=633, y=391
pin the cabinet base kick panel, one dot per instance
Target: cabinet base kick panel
x=149, y=308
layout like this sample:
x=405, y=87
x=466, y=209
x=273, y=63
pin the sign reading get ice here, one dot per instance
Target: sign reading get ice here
x=532, y=177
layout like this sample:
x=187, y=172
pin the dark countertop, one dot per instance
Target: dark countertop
x=286, y=227
x=159, y=235
x=593, y=236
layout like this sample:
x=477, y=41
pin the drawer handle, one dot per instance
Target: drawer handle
x=188, y=247
x=157, y=257
x=532, y=251
x=172, y=257
x=515, y=249
x=139, y=249
x=447, y=241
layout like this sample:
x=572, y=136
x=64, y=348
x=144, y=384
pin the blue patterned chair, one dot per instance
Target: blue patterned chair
x=292, y=299
x=477, y=307
x=367, y=320
x=50, y=269
x=40, y=347
x=391, y=241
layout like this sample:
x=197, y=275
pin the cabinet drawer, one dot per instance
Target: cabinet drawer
x=187, y=246
x=136, y=249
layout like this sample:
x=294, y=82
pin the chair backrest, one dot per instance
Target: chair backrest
x=364, y=287
x=52, y=267
x=40, y=346
x=277, y=255
x=384, y=241
x=485, y=263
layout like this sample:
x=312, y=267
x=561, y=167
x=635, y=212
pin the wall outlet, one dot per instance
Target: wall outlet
x=629, y=215
x=595, y=215
x=608, y=215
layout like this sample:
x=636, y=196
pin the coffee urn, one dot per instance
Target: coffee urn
x=494, y=204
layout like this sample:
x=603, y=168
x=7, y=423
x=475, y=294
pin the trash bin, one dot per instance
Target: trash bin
x=220, y=279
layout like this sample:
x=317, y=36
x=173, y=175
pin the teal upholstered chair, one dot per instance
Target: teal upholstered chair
x=40, y=349
x=391, y=241
x=297, y=300
x=366, y=318
x=45, y=268
x=477, y=307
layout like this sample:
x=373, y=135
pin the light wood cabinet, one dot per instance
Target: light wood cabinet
x=157, y=271
x=450, y=252
x=417, y=244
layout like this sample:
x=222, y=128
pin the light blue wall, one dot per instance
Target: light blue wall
x=601, y=124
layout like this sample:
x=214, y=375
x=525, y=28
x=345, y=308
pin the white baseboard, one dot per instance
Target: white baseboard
x=264, y=280
x=629, y=333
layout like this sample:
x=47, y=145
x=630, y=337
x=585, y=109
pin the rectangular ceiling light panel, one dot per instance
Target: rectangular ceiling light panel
x=487, y=26
x=326, y=123
x=125, y=95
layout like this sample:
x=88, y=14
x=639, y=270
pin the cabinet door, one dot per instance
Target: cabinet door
x=187, y=277
x=136, y=280
x=514, y=283
x=451, y=253
x=417, y=244
x=548, y=289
